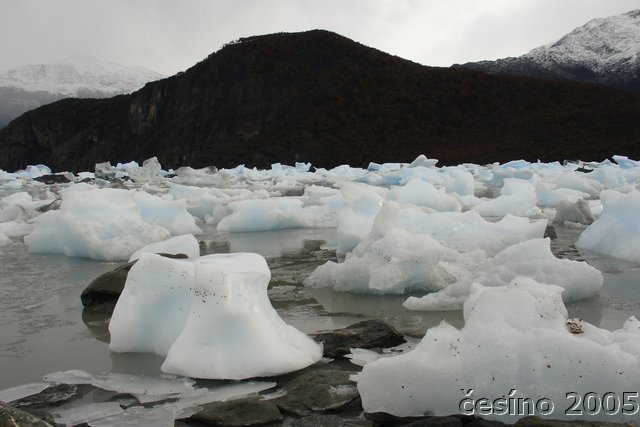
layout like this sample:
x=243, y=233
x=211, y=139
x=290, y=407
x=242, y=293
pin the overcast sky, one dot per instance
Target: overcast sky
x=170, y=36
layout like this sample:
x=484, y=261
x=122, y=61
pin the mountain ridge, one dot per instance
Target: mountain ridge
x=319, y=97
x=82, y=76
x=604, y=51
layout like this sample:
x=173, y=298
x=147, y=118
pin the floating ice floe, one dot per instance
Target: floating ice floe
x=316, y=208
x=395, y=262
x=355, y=219
x=411, y=250
x=517, y=197
x=531, y=259
x=150, y=171
x=108, y=224
x=210, y=317
x=617, y=231
x=263, y=215
x=516, y=355
x=422, y=193
x=16, y=211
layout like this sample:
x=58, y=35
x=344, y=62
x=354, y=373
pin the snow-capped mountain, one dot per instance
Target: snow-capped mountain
x=605, y=50
x=27, y=87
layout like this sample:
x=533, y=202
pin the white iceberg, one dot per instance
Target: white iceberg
x=532, y=259
x=263, y=215
x=362, y=203
x=617, y=231
x=395, y=262
x=108, y=224
x=515, y=344
x=517, y=197
x=411, y=250
x=422, y=193
x=278, y=213
x=169, y=214
x=210, y=317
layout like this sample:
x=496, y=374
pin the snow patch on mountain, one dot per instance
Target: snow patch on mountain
x=78, y=76
x=603, y=45
x=603, y=51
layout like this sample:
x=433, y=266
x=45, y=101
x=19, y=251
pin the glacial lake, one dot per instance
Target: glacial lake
x=43, y=327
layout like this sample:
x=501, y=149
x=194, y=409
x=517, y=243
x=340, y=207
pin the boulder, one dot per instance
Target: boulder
x=103, y=292
x=319, y=420
x=369, y=334
x=59, y=178
x=238, y=412
x=318, y=390
x=13, y=417
x=534, y=421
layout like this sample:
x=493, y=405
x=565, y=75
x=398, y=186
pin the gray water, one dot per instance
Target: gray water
x=43, y=328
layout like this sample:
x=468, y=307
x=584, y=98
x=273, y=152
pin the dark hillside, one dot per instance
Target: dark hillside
x=322, y=98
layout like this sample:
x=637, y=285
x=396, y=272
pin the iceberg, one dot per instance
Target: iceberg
x=517, y=197
x=517, y=343
x=413, y=250
x=263, y=215
x=108, y=224
x=531, y=259
x=616, y=232
x=362, y=203
x=422, y=193
x=210, y=317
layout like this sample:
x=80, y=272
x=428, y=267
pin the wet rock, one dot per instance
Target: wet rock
x=318, y=420
x=366, y=334
x=318, y=390
x=240, y=412
x=58, y=178
x=539, y=422
x=103, y=292
x=436, y=422
x=481, y=422
x=384, y=419
x=550, y=232
x=43, y=403
x=456, y=420
x=51, y=206
x=10, y=417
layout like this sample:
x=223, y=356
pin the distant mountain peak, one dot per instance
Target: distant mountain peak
x=80, y=76
x=604, y=50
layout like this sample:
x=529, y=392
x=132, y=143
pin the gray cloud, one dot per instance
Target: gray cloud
x=169, y=36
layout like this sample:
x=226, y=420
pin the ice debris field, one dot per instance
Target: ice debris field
x=467, y=237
